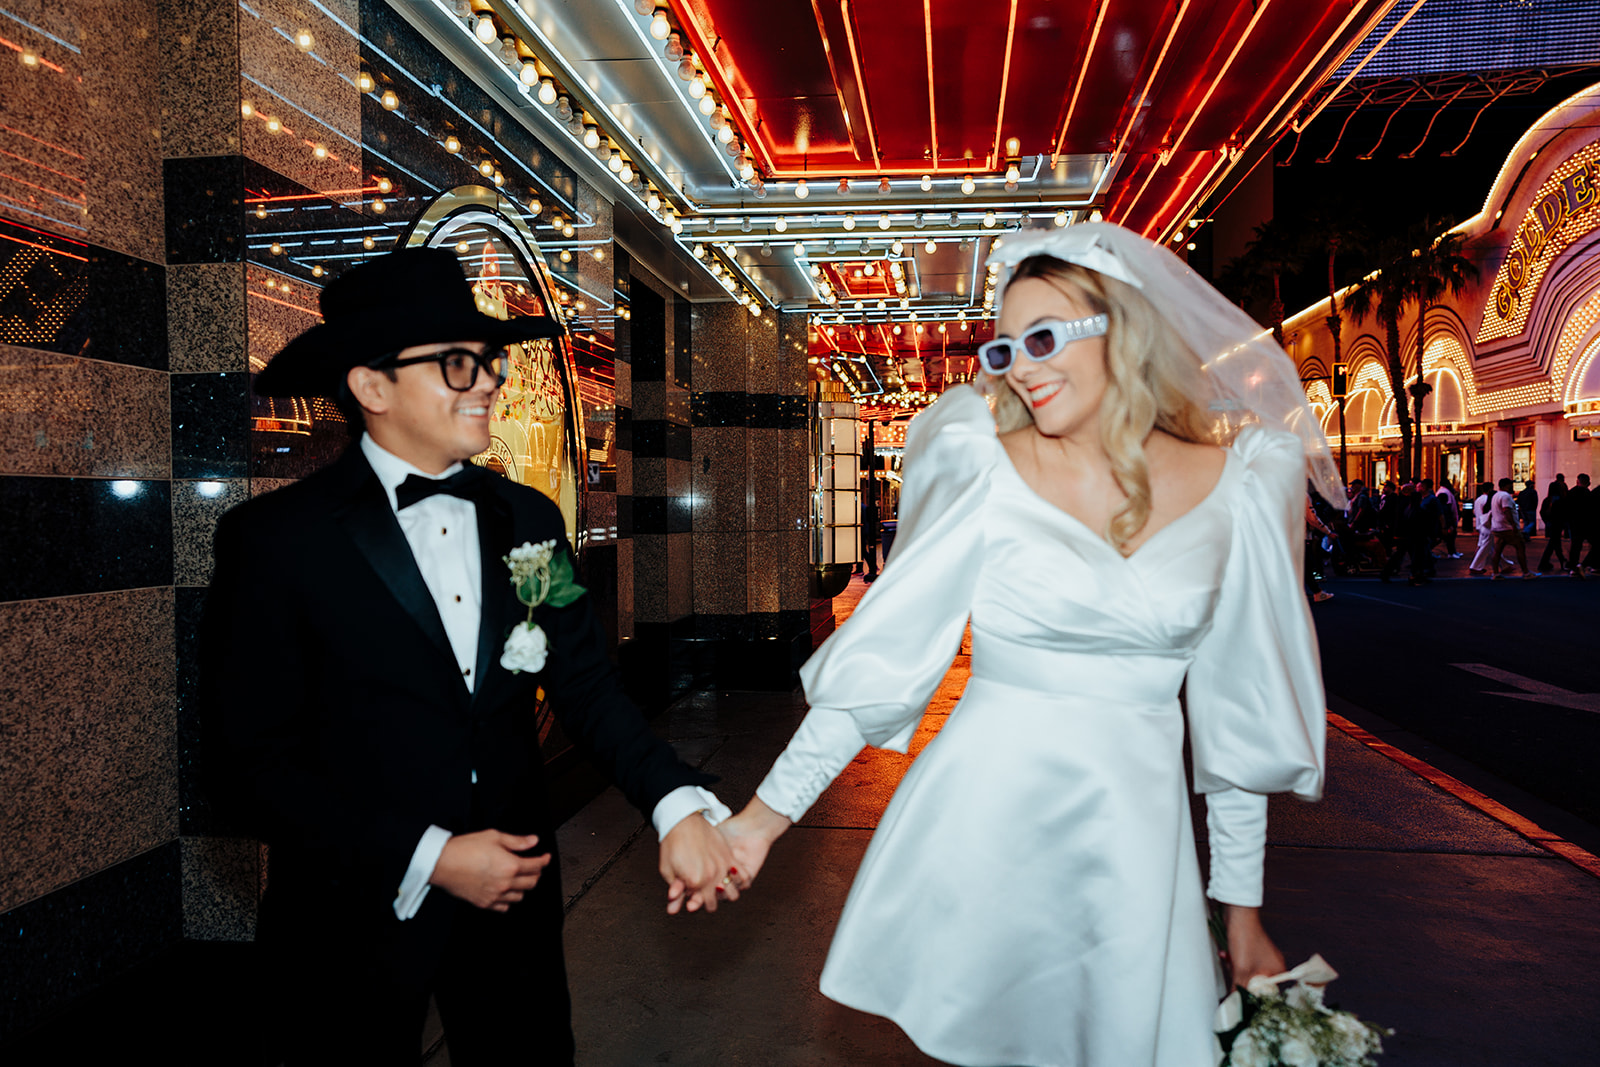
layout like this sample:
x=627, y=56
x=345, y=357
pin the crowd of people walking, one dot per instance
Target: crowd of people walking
x=1415, y=523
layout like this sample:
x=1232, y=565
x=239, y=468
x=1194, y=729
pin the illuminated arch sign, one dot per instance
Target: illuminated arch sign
x=1562, y=210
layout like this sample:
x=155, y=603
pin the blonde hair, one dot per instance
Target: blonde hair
x=1154, y=381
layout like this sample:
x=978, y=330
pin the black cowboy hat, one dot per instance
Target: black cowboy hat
x=416, y=296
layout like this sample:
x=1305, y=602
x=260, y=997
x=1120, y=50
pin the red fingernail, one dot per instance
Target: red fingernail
x=733, y=870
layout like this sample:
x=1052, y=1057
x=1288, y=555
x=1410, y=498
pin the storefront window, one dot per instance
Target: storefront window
x=1521, y=466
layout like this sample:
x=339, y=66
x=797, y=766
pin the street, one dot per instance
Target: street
x=1503, y=675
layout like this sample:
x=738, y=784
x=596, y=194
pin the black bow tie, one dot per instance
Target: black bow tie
x=467, y=483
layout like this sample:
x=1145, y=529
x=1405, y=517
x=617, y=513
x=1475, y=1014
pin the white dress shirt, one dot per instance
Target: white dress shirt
x=1503, y=512
x=442, y=531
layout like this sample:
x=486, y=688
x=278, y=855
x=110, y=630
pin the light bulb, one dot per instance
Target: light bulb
x=591, y=137
x=389, y=100
x=462, y=248
x=534, y=207
x=800, y=190
x=644, y=7
x=968, y=185
x=368, y=243
x=699, y=251
x=499, y=179
x=1095, y=216
x=897, y=247
x=674, y=48
x=273, y=125
x=677, y=225
x=927, y=182
x=883, y=221
x=816, y=271
x=988, y=218
x=625, y=175
x=276, y=249
x=317, y=271
x=708, y=104
x=747, y=169
x=686, y=69
x=930, y=248
x=379, y=207
x=697, y=87
x=615, y=162
x=745, y=224
x=303, y=40
x=564, y=107
x=566, y=256
x=319, y=151
x=869, y=270
x=799, y=250
x=365, y=83
x=725, y=134
x=1013, y=172
x=261, y=211
x=844, y=186
x=1061, y=218
x=1192, y=246
x=849, y=222
x=660, y=28
x=385, y=185
x=598, y=253
x=883, y=187
x=485, y=167
x=485, y=30
x=897, y=331
x=653, y=201
x=568, y=230
x=780, y=224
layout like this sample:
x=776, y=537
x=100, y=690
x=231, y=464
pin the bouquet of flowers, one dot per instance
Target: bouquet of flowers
x=541, y=575
x=1261, y=1026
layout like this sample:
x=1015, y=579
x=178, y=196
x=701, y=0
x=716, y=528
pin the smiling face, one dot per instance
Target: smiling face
x=419, y=418
x=1064, y=392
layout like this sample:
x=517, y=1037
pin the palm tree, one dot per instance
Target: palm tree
x=1334, y=228
x=1277, y=250
x=1418, y=269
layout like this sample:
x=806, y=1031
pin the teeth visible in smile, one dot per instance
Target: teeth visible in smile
x=1041, y=393
x=473, y=411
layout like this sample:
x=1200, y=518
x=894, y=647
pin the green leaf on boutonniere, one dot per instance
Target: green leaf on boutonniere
x=563, y=589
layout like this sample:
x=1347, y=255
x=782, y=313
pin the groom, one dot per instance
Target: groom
x=360, y=720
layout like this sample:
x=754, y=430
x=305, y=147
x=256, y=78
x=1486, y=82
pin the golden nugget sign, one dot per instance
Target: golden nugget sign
x=1572, y=190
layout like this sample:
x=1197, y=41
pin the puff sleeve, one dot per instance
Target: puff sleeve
x=1257, y=714
x=870, y=682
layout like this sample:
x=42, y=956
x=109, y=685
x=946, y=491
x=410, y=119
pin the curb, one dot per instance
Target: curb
x=1584, y=860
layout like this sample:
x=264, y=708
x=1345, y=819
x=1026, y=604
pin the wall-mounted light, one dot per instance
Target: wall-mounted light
x=591, y=136
x=303, y=40
x=927, y=182
x=800, y=190
x=930, y=248
x=389, y=100
x=660, y=28
x=849, y=221
x=484, y=30
x=968, y=185
x=780, y=224
x=452, y=144
x=365, y=83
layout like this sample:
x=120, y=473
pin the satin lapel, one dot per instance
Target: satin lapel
x=494, y=542
x=372, y=525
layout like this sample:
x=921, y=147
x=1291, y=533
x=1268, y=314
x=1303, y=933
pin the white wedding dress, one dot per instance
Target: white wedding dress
x=1032, y=894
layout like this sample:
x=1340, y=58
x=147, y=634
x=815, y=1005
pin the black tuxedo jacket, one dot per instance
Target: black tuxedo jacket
x=338, y=725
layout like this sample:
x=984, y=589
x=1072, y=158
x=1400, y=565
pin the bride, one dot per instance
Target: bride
x=1133, y=529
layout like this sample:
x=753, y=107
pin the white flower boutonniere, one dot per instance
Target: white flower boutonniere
x=540, y=575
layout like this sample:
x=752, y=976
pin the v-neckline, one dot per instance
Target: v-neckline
x=1228, y=461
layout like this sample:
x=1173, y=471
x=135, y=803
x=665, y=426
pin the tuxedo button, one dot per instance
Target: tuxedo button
x=443, y=530
x=465, y=671
x=458, y=598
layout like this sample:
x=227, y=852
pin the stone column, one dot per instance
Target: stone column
x=1499, y=453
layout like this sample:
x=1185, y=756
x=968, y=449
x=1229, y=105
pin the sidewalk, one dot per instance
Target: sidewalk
x=1474, y=942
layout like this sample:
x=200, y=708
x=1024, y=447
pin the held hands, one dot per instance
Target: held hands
x=750, y=835
x=485, y=869
x=1250, y=950
x=697, y=865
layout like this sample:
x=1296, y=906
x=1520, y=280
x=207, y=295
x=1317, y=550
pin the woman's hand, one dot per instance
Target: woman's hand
x=750, y=835
x=1250, y=950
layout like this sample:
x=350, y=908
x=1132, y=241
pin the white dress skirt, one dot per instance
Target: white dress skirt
x=1032, y=896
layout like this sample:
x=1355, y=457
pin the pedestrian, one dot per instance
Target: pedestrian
x=1506, y=528
x=1579, y=511
x=1528, y=509
x=1449, y=518
x=1410, y=537
x=368, y=718
x=1428, y=522
x=1553, y=512
x=1480, y=522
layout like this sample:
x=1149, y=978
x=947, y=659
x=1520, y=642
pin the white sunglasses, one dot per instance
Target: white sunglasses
x=1040, y=343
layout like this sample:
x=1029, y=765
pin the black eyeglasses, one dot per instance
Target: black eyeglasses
x=459, y=366
x=1040, y=343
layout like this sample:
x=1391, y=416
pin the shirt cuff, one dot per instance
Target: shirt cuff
x=683, y=802
x=828, y=739
x=414, y=886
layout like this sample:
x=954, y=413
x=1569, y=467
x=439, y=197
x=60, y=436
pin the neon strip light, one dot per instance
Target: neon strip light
x=285, y=303
x=927, y=36
x=1133, y=117
x=41, y=166
x=1364, y=61
x=43, y=62
x=1083, y=72
x=833, y=72
x=861, y=83
x=42, y=248
x=74, y=49
x=36, y=140
x=1005, y=80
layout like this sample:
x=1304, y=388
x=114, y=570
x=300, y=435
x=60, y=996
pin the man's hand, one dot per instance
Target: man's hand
x=696, y=864
x=485, y=870
x=750, y=835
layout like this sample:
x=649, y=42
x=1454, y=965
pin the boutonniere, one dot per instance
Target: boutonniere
x=540, y=575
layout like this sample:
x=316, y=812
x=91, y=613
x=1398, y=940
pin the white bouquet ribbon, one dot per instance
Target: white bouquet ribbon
x=1314, y=971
